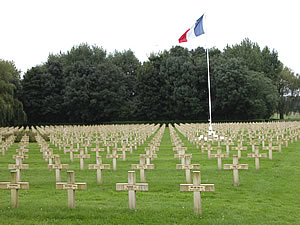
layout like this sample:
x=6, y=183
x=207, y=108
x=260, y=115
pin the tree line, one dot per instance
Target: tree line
x=88, y=85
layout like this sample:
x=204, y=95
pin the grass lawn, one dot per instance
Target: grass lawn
x=270, y=195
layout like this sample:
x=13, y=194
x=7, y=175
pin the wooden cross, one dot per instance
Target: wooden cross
x=154, y=143
x=77, y=142
x=14, y=186
x=3, y=148
x=115, y=142
x=43, y=147
x=199, y=142
x=152, y=148
x=270, y=148
x=71, y=150
x=21, y=151
x=293, y=135
x=150, y=155
x=178, y=142
x=219, y=155
x=57, y=167
x=197, y=188
x=227, y=143
x=240, y=148
x=18, y=167
x=99, y=167
x=86, y=145
x=286, y=141
x=21, y=155
x=142, y=167
x=71, y=186
x=253, y=144
x=235, y=166
x=97, y=142
x=82, y=156
x=187, y=166
x=180, y=148
x=262, y=139
x=66, y=147
x=209, y=148
x=123, y=150
x=59, y=142
x=279, y=143
x=97, y=150
x=130, y=145
x=108, y=145
x=114, y=156
x=132, y=187
x=257, y=156
x=48, y=155
x=182, y=156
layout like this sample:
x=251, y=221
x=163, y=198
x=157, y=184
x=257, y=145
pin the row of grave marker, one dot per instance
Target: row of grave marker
x=196, y=187
x=205, y=139
x=70, y=186
x=235, y=167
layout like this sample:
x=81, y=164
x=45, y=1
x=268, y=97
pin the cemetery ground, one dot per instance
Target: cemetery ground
x=270, y=195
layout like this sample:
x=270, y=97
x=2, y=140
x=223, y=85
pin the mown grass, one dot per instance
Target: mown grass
x=270, y=195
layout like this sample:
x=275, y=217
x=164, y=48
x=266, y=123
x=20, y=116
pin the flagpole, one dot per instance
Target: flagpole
x=209, y=93
x=210, y=130
x=195, y=31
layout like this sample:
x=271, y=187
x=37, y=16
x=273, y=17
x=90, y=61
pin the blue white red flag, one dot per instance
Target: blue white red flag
x=195, y=31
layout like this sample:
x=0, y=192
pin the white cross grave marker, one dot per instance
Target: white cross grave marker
x=132, y=187
x=197, y=188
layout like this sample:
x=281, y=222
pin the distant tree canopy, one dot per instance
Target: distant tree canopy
x=289, y=92
x=87, y=85
x=11, y=109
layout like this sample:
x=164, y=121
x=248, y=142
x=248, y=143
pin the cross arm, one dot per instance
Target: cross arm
x=146, y=167
x=66, y=186
x=18, y=185
x=60, y=166
x=219, y=155
x=14, y=166
x=197, y=188
x=252, y=155
x=84, y=156
x=187, y=167
x=21, y=156
x=132, y=187
x=239, y=166
x=101, y=167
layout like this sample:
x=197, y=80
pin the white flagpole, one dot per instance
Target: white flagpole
x=210, y=130
x=209, y=94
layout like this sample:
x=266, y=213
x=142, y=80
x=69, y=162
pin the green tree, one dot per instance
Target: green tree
x=11, y=109
x=265, y=61
x=149, y=84
x=173, y=85
x=33, y=95
x=94, y=95
x=53, y=104
x=256, y=60
x=82, y=85
x=129, y=64
x=95, y=87
x=289, y=88
x=185, y=73
x=240, y=93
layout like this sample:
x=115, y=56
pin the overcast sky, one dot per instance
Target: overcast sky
x=32, y=29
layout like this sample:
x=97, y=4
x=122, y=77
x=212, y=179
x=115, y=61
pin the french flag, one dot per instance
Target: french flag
x=195, y=31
